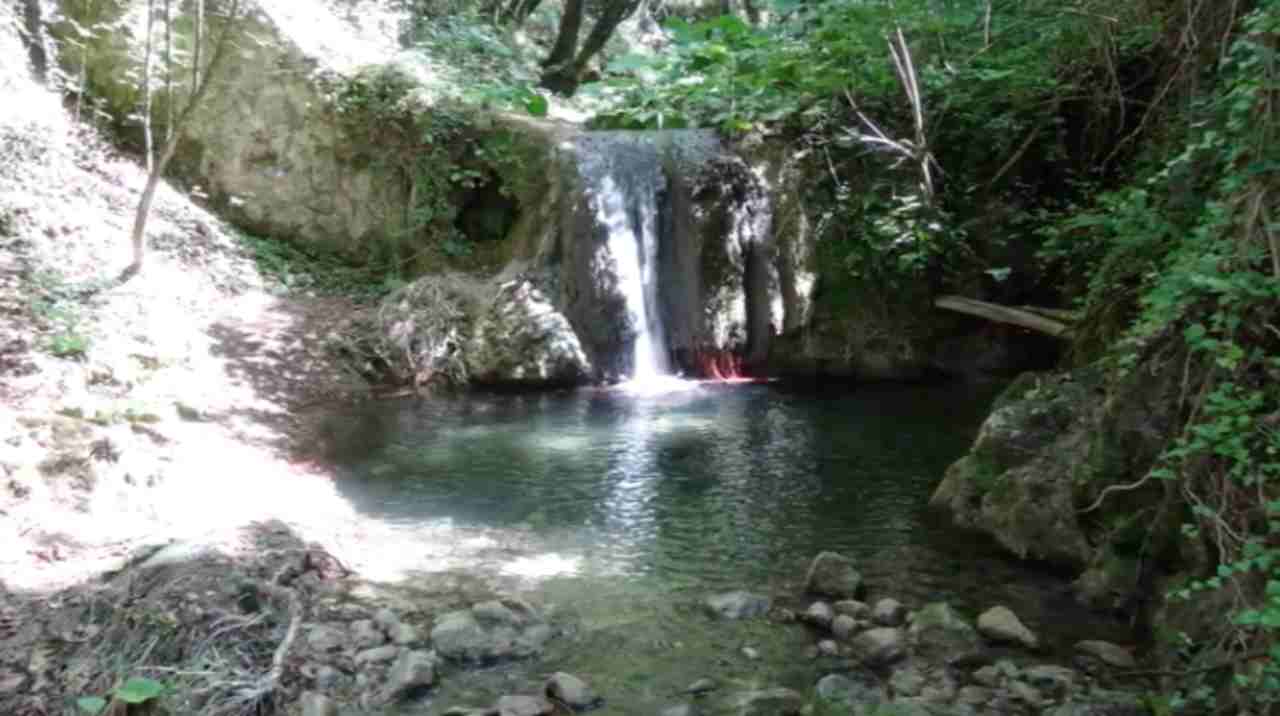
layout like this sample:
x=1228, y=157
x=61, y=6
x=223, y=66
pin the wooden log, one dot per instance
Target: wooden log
x=1005, y=314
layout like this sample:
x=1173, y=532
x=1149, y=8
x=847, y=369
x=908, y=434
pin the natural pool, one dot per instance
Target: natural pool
x=624, y=510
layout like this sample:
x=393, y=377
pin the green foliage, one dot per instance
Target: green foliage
x=1188, y=247
x=55, y=303
x=299, y=267
x=139, y=690
x=92, y=705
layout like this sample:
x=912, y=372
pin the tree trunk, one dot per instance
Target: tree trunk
x=138, y=236
x=613, y=15
x=33, y=22
x=168, y=69
x=1034, y=320
x=558, y=73
x=146, y=86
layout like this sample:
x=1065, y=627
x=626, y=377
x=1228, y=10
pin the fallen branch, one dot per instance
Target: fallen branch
x=1005, y=314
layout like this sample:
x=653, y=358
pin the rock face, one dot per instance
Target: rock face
x=490, y=631
x=737, y=605
x=521, y=339
x=834, y=575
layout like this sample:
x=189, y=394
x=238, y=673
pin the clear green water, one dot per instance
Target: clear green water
x=625, y=510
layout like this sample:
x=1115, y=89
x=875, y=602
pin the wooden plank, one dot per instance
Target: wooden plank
x=1005, y=314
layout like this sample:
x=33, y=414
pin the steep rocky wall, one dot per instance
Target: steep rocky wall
x=263, y=148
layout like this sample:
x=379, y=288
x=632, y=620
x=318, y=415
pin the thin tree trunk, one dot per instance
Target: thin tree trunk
x=168, y=69
x=613, y=15
x=33, y=21
x=199, y=42
x=146, y=86
x=138, y=235
x=1035, y=321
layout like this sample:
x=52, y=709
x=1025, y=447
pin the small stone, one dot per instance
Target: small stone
x=1002, y=625
x=828, y=647
x=973, y=696
x=888, y=612
x=365, y=634
x=413, y=671
x=571, y=690
x=819, y=614
x=679, y=710
x=404, y=634
x=701, y=686
x=518, y=705
x=314, y=704
x=880, y=646
x=853, y=608
x=386, y=618
x=907, y=682
x=834, y=575
x=1057, y=680
x=751, y=653
x=10, y=681
x=988, y=676
x=377, y=655
x=937, y=631
x=1108, y=653
x=1026, y=693
x=326, y=677
x=844, y=627
x=325, y=638
x=841, y=688
x=737, y=605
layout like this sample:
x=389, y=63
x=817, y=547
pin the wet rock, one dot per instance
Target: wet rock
x=843, y=689
x=938, y=632
x=404, y=634
x=701, y=686
x=764, y=702
x=834, y=575
x=819, y=614
x=889, y=612
x=1026, y=693
x=853, y=608
x=880, y=646
x=412, y=672
x=828, y=647
x=518, y=705
x=314, y=704
x=989, y=676
x=973, y=696
x=571, y=690
x=737, y=605
x=1002, y=625
x=325, y=638
x=377, y=655
x=365, y=634
x=1108, y=653
x=907, y=681
x=462, y=636
x=844, y=627
x=1057, y=680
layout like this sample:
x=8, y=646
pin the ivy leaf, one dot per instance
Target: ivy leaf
x=139, y=690
x=92, y=705
x=536, y=104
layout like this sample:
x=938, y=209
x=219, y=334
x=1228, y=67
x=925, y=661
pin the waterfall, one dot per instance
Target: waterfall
x=623, y=178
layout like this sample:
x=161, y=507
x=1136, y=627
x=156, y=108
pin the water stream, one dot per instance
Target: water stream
x=626, y=509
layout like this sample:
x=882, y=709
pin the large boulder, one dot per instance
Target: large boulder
x=490, y=631
x=834, y=575
x=1000, y=624
x=737, y=605
x=521, y=338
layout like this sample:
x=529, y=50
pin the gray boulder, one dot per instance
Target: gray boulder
x=889, y=612
x=377, y=655
x=844, y=627
x=489, y=631
x=365, y=634
x=819, y=614
x=853, y=608
x=938, y=632
x=571, y=691
x=880, y=646
x=519, y=705
x=412, y=672
x=834, y=575
x=521, y=338
x=838, y=688
x=1108, y=653
x=907, y=681
x=325, y=638
x=1050, y=678
x=1002, y=625
x=314, y=704
x=737, y=605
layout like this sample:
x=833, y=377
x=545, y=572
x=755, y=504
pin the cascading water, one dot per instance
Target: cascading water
x=623, y=176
